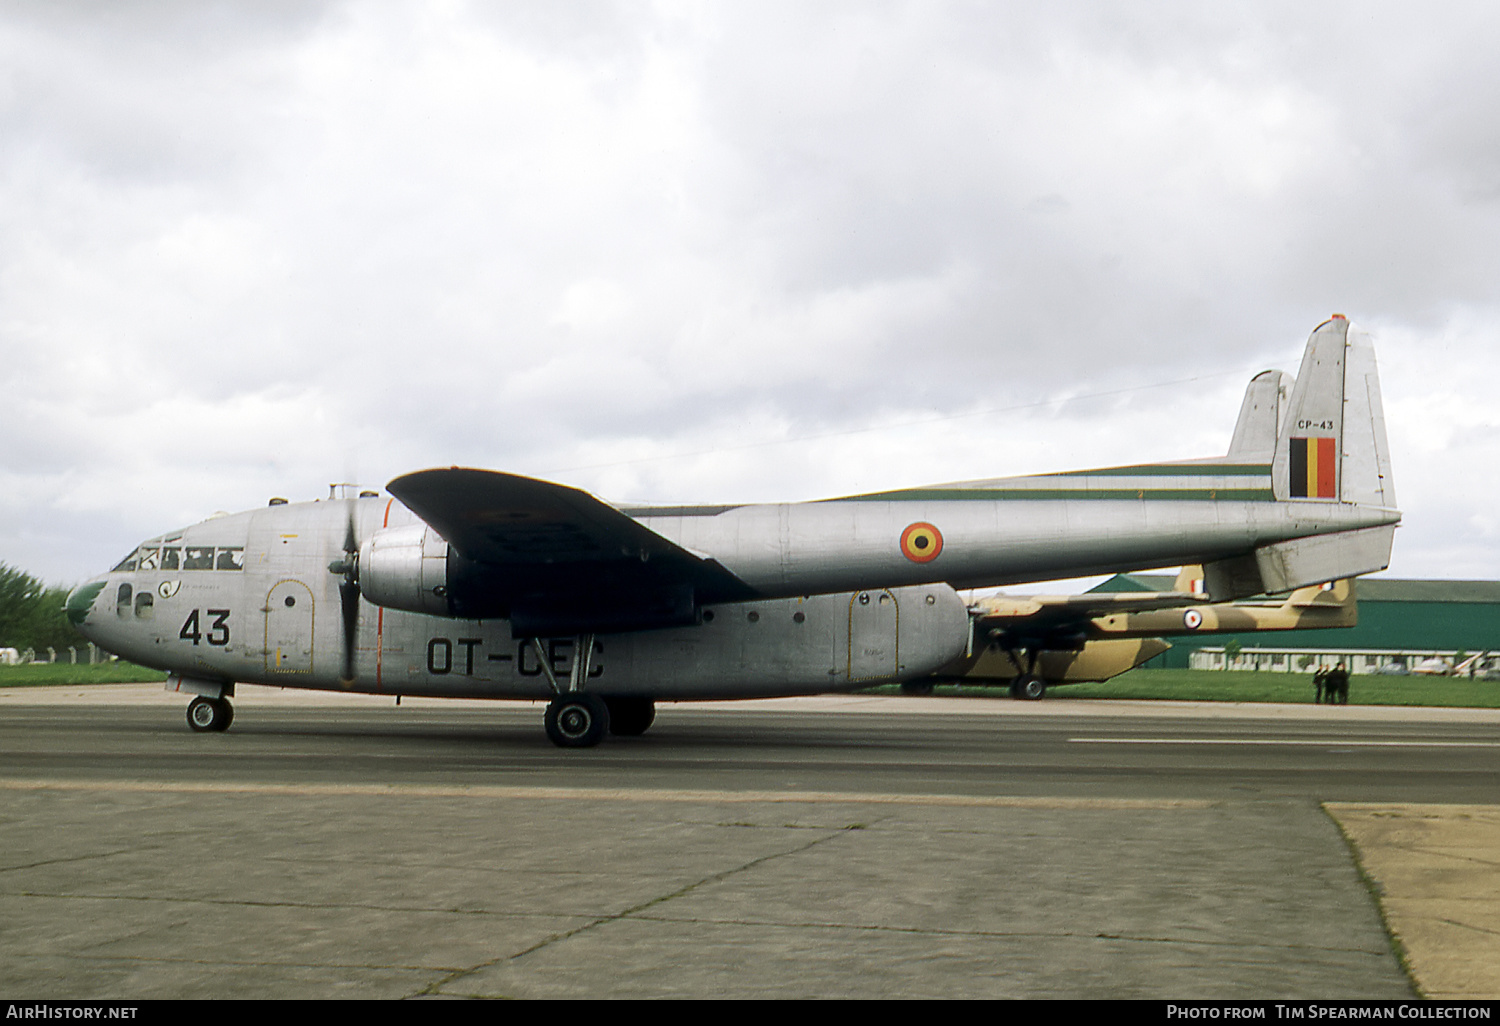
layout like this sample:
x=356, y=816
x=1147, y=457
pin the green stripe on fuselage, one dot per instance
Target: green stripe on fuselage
x=1172, y=482
x=1053, y=494
x=1175, y=470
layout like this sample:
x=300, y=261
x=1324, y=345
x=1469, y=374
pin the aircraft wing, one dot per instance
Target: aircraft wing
x=550, y=553
x=1041, y=608
x=1061, y=621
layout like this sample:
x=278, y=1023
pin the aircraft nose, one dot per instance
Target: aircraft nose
x=81, y=602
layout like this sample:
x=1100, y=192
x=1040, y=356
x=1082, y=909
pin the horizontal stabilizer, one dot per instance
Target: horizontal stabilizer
x=1299, y=562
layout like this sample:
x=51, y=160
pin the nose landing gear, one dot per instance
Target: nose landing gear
x=210, y=714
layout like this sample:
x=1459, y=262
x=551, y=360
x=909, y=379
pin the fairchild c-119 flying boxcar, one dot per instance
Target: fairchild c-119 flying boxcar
x=472, y=583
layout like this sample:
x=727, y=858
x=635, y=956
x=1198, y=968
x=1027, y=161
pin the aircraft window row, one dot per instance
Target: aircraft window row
x=179, y=557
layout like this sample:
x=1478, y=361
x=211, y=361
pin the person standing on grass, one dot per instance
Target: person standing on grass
x=1336, y=685
x=1320, y=683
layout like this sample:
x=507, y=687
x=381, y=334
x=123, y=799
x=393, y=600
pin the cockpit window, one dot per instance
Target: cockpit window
x=177, y=557
x=199, y=557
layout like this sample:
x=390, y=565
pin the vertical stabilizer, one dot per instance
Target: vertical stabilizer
x=1307, y=449
x=1261, y=416
x=1190, y=578
x=1332, y=444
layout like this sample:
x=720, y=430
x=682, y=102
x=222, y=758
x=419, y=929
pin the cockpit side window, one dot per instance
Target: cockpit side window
x=145, y=605
x=122, y=599
x=173, y=558
x=199, y=557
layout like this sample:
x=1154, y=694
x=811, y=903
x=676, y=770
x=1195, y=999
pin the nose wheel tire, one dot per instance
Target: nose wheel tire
x=207, y=715
x=577, y=721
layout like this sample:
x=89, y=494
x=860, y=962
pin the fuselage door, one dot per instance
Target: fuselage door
x=289, y=628
x=873, y=629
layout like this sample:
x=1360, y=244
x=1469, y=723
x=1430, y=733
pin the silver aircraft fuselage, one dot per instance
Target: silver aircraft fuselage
x=467, y=582
x=250, y=597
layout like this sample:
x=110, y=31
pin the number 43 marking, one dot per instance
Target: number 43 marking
x=218, y=631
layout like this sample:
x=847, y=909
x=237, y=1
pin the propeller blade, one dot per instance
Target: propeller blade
x=349, y=592
x=349, y=603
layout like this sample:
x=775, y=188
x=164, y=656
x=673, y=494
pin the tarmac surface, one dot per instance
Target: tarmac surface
x=853, y=846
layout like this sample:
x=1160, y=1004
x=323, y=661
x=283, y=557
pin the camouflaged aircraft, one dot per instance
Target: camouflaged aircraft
x=1032, y=642
x=478, y=584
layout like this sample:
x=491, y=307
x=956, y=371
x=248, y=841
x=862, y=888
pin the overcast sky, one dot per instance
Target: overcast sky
x=725, y=252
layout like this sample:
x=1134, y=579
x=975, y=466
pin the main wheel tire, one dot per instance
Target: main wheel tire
x=630, y=717
x=577, y=721
x=1030, y=687
x=206, y=715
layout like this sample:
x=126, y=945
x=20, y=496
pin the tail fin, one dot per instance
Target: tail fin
x=1261, y=416
x=1332, y=446
x=1190, y=577
x=1338, y=593
x=1328, y=605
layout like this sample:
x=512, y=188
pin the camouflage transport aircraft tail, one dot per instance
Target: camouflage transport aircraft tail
x=1031, y=642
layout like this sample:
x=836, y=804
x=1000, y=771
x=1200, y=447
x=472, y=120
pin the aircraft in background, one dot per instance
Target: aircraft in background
x=1033, y=642
x=478, y=584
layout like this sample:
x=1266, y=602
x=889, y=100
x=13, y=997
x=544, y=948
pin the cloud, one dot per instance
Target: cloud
x=765, y=251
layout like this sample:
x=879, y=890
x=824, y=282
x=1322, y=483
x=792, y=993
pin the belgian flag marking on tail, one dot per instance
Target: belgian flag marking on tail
x=1313, y=463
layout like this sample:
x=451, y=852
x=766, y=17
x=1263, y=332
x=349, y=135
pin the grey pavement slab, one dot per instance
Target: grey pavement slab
x=245, y=894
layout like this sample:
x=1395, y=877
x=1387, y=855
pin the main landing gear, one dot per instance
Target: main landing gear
x=210, y=714
x=579, y=719
x=630, y=717
x=1028, y=686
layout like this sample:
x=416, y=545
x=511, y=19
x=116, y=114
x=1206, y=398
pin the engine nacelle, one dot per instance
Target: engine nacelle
x=406, y=568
